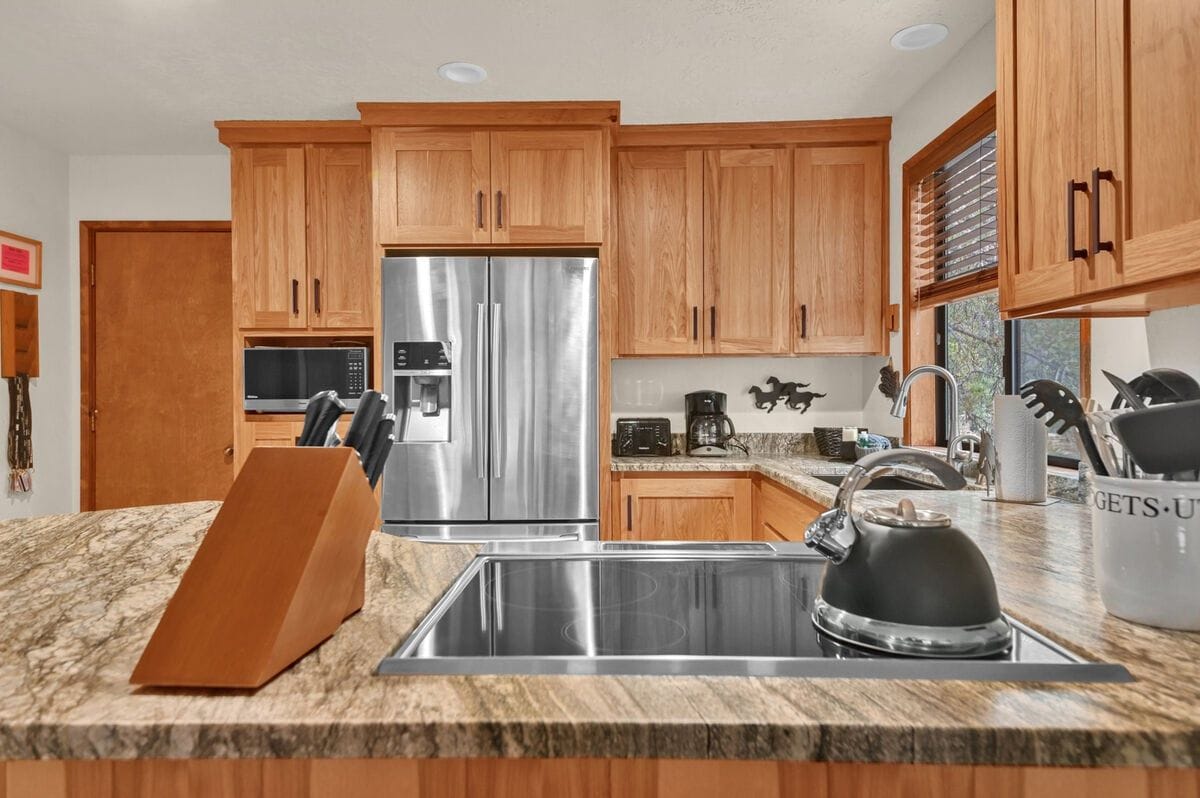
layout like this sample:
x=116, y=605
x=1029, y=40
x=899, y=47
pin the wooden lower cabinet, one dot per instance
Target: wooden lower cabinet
x=278, y=433
x=780, y=514
x=692, y=507
x=570, y=778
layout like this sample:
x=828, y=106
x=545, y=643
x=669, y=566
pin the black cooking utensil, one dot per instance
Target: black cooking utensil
x=319, y=417
x=1164, y=439
x=1065, y=412
x=1175, y=383
x=379, y=448
x=1125, y=392
x=370, y=409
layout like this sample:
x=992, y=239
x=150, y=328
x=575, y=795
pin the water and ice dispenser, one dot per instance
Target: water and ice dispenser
x=421, y=373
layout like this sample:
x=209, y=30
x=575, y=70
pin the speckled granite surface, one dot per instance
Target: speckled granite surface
x=81, y=594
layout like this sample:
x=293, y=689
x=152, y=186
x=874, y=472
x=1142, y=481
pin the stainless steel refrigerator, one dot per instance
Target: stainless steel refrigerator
x=490, y=367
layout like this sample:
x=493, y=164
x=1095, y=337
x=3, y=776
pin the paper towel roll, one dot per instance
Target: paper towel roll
x=1020, y=451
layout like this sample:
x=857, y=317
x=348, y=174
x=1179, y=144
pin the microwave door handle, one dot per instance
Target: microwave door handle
x=497, y=454
x=481, y=419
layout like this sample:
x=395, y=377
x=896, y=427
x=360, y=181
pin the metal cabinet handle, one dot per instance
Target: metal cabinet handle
x=317, y=295
x=479, y=209
x=295, y=297
x=804, y=321
x=1072, y=187
x=695, y=323
x=228, y=451
x=1099, y=174
x=481, y=418
x=712, y=322
x=499, y=209
x=497, y=454
x=628, y=513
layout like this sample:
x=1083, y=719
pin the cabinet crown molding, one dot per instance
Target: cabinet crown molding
x=584, y=113
x=863, y=130
x=329, y=131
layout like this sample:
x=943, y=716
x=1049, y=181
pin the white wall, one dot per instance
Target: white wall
x=656, y=387
x=132, y=188
x=33, y=203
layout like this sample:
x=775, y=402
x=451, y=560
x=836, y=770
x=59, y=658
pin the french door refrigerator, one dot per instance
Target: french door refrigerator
x=490, y=366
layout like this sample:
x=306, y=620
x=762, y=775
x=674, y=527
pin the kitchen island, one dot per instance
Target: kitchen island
x=82, y=594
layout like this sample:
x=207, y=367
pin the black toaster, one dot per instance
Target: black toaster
x=642, y=437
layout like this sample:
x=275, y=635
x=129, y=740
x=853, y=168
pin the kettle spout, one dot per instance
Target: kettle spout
x=832, y=534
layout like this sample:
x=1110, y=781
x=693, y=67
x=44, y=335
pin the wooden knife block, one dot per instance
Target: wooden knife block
x=278, y=571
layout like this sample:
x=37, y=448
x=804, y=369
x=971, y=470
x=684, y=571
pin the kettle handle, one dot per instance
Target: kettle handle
x=832, y=533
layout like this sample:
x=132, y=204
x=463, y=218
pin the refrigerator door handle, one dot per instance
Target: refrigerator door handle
x=494, y=404
x=481, y=419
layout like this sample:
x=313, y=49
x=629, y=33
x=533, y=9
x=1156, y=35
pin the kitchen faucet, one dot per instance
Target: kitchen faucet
x=900, y=406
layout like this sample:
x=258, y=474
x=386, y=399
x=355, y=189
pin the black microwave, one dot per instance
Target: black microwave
x=281, y=379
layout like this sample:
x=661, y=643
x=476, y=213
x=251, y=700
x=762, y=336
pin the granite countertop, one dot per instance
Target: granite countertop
x=82, y=594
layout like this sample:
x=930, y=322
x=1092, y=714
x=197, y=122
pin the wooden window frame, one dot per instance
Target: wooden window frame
x=920, y=300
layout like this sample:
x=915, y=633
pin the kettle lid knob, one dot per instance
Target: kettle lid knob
x=907, y=516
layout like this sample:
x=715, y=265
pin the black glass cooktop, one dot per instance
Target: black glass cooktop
x=636, y=609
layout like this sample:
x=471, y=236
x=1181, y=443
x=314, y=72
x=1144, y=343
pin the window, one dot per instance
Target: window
x=952, y=313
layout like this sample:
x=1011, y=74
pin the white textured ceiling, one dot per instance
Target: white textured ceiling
x=150, y=76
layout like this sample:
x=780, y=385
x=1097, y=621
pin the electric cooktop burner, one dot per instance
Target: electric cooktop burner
x=672, y=609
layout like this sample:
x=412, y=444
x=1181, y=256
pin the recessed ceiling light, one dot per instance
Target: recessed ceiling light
x=463, y=72
x=919, y=37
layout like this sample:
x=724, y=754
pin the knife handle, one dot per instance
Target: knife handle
x=370, y=409
x=379, y=448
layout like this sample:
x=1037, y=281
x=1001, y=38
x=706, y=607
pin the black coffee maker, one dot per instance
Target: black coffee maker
x=709, y=430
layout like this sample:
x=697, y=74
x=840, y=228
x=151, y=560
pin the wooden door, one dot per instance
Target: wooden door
x=686, y=508
x=747, y=265
x=780, y=515
x=341, y=253
x=162, y=364
x=431, y=186
x=660, y=262
x=548, y=187
x=269, y=250
x=1048, y=139
x=1149, y=116
x=839, y=266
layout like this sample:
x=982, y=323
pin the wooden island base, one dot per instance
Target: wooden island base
x=572, y=778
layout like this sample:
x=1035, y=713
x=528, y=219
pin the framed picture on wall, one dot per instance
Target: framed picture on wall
x=20, y=260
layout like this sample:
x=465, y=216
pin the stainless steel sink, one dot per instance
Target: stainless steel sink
x=882, y=483
x=739, y=609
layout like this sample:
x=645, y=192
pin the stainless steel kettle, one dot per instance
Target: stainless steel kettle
x=903, y=580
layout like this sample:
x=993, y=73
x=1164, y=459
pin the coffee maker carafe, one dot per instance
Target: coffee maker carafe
x=708, y=428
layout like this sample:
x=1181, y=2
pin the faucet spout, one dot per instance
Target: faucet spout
x=900, y=403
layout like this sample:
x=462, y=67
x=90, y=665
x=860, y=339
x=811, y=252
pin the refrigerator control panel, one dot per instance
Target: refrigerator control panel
x=420, y=355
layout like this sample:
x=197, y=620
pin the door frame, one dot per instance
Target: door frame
x=87, y=329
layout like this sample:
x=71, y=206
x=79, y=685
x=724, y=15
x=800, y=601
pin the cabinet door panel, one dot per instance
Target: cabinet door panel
x=781, y=515
x=340, y=249
x=686, y=509
x=839, y=265
x=660, y=244
x=1050, y=141
x=547, y=187
x=431, y=186
x=747, y=272
x=269, y=260
x=1149, y=103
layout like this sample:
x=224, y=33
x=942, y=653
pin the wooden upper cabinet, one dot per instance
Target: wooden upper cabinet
x=432, y=186
x=1149, y=112
x=269, y=247
x=1051, y=138
x=838, y=266
x=686, y=508
x=1104, y=96
x=340, y=248
x=747, y=265
x=660, y=244
x=547, y=187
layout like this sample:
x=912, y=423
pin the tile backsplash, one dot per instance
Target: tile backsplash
x=656, y=387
